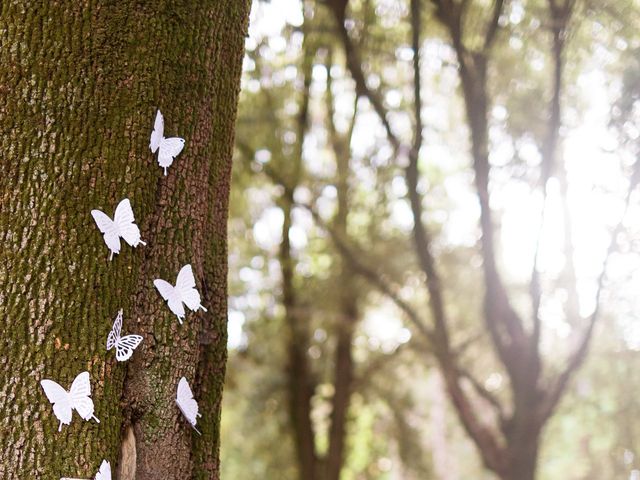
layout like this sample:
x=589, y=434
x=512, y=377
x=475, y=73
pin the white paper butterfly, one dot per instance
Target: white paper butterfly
x=168, y=148
x=105, y=471
x=123, y=225
x=184, y=292
x=186, y=403
x=124, y=345
x=64, y=402
x=103, y=474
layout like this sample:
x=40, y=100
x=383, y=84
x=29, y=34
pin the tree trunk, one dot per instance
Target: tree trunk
x=80, y=83
x=348, y=312
x=519, y=357
x=343, y=385
x=522, y=461
x=300, y=382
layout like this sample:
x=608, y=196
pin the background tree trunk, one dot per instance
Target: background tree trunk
x=300, y=378
x=523, y=459
x=348, y=311
x=79, y=87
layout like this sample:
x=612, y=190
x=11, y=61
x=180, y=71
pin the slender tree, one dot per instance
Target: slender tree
x=80, y=83
x=300, y=379
x=340, y=312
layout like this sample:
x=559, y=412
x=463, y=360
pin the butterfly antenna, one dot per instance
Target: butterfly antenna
x=197, y=430
x=143, y=243
x=203, y=309
x=95, y=418
x=165, y=171
x=111, y=256
x=60, y=427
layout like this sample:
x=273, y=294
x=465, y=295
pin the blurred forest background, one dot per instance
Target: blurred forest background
x=426, y=195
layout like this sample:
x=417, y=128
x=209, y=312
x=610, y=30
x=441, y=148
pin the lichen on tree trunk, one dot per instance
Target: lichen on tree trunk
x=80, y=83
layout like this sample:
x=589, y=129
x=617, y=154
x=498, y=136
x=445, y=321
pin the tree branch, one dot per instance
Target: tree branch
x=483, y=392
x=505, y=326
x=462, y=347
x=421, y=236
x=492, y=29
x=377, y=363
x=579, y=355
x=354, y=64
x=549, y=152
x=375, y=278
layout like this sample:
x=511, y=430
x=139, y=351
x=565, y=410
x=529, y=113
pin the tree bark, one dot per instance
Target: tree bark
x=80, y=83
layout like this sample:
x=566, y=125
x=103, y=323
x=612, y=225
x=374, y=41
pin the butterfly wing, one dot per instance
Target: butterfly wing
x=185, y=279
x=186, y=286
x=105, y=471
x=126, y=345
x=171, y=295
x=164, y=287
x=80, y=395
x=168, y=150
x=109, y=230
x=158, y=132
x=114, y=334
x=125, y=223
x=186, y=403
x=60, y=399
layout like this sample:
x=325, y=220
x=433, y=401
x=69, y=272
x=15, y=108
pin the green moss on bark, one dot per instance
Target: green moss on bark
x=79, y=86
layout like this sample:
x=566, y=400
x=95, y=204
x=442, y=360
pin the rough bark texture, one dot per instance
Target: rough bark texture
x=79, y=86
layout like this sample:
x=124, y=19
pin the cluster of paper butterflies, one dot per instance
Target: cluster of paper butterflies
x=184, y=292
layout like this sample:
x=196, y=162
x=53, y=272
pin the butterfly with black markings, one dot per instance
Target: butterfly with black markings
x=122, y=226
x=167, y=148
x=78, y=398
x=184, y=292
x=124, y=345
x=187, y=404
